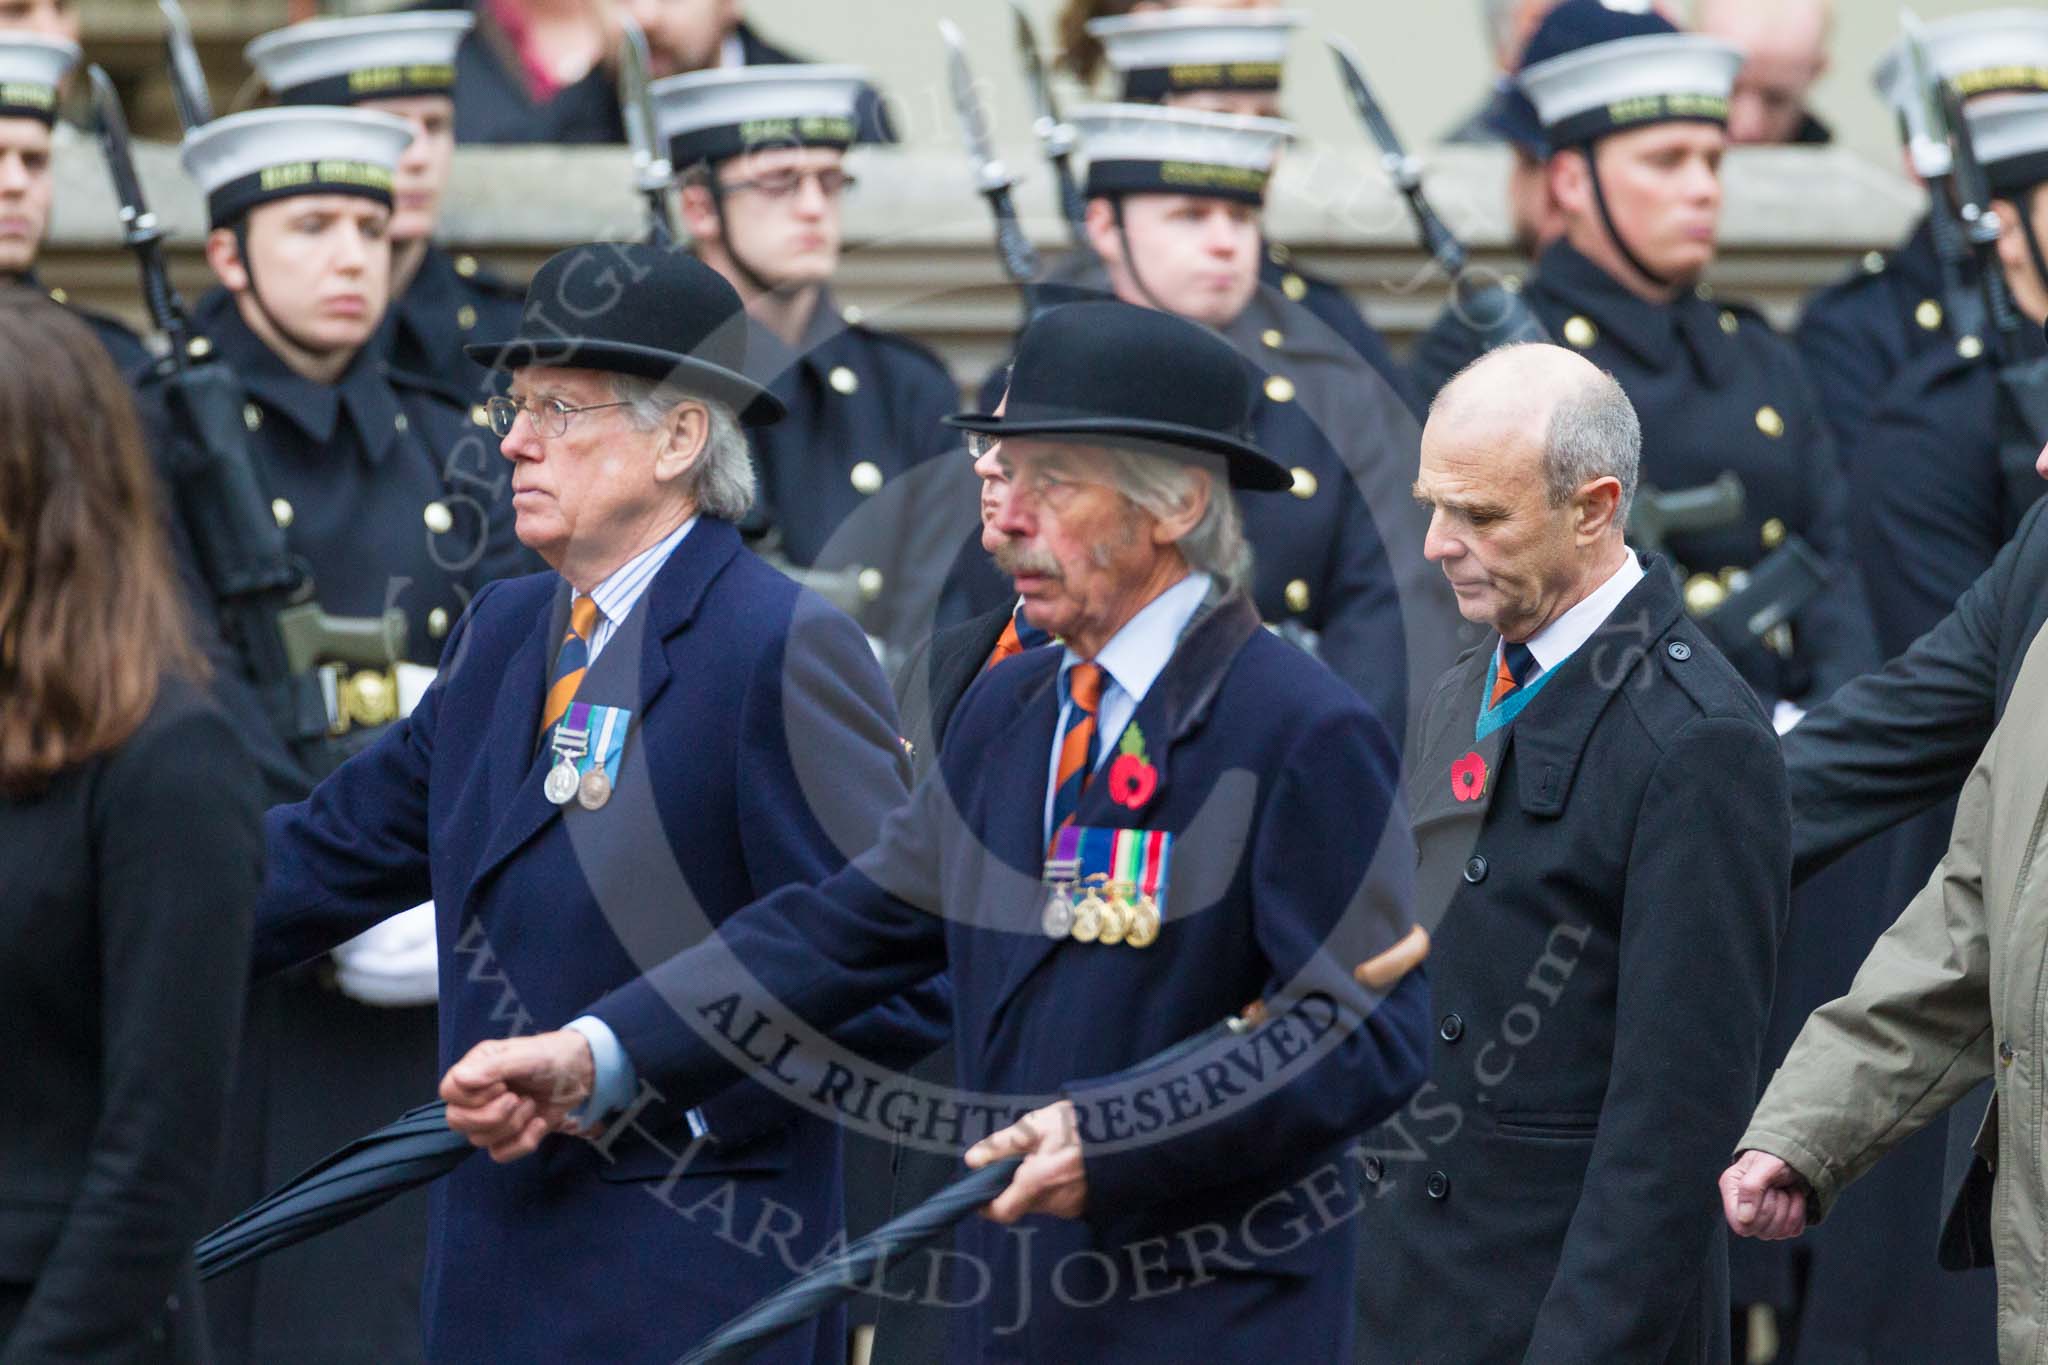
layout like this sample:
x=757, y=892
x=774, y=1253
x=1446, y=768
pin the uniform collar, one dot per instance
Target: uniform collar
x=771, y=360
x=1660, y=335
x=314, y=408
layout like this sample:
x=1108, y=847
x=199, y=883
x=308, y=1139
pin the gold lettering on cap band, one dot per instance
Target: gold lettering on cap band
x=371, y=79
x=26, y=95
x=296, y=174
x=1217, y=177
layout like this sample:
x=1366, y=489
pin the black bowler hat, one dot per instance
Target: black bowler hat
x=1121, y=374
x=630, y=308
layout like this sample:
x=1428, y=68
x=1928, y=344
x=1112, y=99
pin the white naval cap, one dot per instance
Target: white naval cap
x=2000, y=51
x=2011, y=139
x=369, y=57
x=1150, y=149
x=31, y=70
x=729, y=111
x=1174, y=52
x=252, y=158
x=1631, y=82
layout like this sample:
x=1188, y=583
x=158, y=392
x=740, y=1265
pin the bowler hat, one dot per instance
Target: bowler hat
x=631, y=308
x=1115, y=373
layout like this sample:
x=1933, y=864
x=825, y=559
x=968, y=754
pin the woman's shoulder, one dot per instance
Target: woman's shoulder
x=187, y=742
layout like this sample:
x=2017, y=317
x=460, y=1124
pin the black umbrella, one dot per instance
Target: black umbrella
x=344, y=1185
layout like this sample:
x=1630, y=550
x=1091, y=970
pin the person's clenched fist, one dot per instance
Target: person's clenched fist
x=1763, y=1197
x=507, y=1094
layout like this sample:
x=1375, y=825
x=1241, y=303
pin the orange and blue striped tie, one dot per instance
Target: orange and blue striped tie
x=571, y=662
x=1083, y=685
x=1018, y=635
x=1517, y=666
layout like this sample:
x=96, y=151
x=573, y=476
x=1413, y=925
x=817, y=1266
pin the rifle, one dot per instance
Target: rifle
x=1923, y=120
x=652, y=173
x=1656, y=515
x=263, y=597
x=1496, y=313
x=1055, y=135
x=992, y=179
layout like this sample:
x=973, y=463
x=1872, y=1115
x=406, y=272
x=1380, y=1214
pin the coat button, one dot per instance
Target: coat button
x=1928, y=315
x=866, y=478
x=438, y=518
x=401, y=423
x=1304, y=485
x=1873, y=263
x=465, y=266
x=1294, y=286
x=1704, y=593
x=1271, y=338
x=437, y=622
x=1773, y=534
x=1375, y=1170
x=1679, y=650
x=1451, y=1029
x=2005, y=1052
x=1969, y=348
x=869, y=581
x=1439, y=1185
x=252, y=417
x=1730, y=323
x=1280, y=389
x=852, y=315
x=199, y=348
x=60, y=296
x=1297, y=595
x=281, y=510
x=480, y=415
x=1475, y=868
x=843, y=380
x=1769, y=422
x=465, y=317
x=1580, y=332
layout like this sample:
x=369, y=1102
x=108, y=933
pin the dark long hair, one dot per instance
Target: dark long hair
x=90, y=613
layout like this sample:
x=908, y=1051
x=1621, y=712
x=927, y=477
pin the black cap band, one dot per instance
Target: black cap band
x=375, y=83
x=366, y=179
x=2017, y=174
x=28, y=99
x=1240, y=183
x=1640, y=112
x=1149, y=84
x=725, y=141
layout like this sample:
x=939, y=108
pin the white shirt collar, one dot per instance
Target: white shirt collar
x=623, y=588
x=1136, y=654
x=1557, y=641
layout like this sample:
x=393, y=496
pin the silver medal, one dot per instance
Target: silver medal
x=1058, y=918
x=561, y=782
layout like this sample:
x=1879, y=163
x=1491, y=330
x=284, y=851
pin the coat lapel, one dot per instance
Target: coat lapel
x=1446, y=751
x=635, y=659
x=1171, y=714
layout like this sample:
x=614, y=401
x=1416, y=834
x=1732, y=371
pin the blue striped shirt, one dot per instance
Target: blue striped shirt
x=618, y=594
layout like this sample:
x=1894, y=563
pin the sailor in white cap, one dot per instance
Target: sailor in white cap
x=1232, y=61
x=32, y=73
x=404, y=64
x=392, y=499
x=761, y=155
x=1174, y=205
x=1858, y=334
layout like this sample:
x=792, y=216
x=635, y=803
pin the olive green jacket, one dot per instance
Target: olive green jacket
x=1955, y=991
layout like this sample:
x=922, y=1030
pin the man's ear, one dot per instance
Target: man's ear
x=224, y=257
x=1100, y=226
x=1570, y=175
x=1594, y=507
x=700, y=214
x=688, y=431
x=1168, y=529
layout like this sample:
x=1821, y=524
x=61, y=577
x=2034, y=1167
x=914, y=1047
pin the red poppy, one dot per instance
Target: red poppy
x=1468, y=777
x=1132, y=781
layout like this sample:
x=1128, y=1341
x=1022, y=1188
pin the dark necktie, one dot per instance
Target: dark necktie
x=1517, y=666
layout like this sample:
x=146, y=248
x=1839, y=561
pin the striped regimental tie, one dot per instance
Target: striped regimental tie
x=1018, y=636
x=571, y=661
x=1083, y=688
x=1517, y=666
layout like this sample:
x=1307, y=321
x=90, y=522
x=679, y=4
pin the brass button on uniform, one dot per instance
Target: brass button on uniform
x=401, y=423
x=252, y=417
x=480, y=415
x=1297, y=595
x=843, y=380
x=438, y=518
x=1280, y=255
x=870, y=583
x=199, y=348
x=1769, y=422
x=1928, y=315
x=1580, y=332
x=1969, y=348
x=1304, y=482
x=465, y=265
x=1774, y=533
x=852, y=316
x=465, y=317
x=60, y=295
x=1730, y=323
x=1873, y=262
x=866, y=478
x=1703, y=292
x=1703, y=593
x=1294, y=286
x=437, y=622
x=1511, y=283
x=282, y=510
x=1280, y=388
x=1272, y=338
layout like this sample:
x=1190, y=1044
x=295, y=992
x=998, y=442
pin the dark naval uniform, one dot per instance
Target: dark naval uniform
x=1277, y=270
x=864, y=410
x=130, y=356
x=385, y=491
x=1856, y=335
x=1549, y=1193
x=1717, y=390
x=451, y=302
